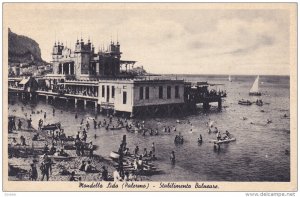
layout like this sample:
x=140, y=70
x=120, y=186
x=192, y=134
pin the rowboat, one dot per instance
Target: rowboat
x=52, y=127
x=114, y=155
x=73, y=147
x=243, y=102
x=223, y=141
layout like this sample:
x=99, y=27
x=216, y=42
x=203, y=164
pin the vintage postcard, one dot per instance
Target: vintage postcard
x=149, y=97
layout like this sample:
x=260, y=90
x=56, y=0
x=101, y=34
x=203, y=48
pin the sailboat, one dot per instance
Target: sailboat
x=229, y=78
x=254, y=91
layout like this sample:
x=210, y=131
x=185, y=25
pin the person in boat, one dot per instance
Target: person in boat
x=165, y=129
x=140, y=163
x=104, y=174
x=63, y=153
x=52, y=149
x=172, y=157
x=169, y=129
x=227, y=135
x=72, y=177
x=62, y=135
x=116, y=175
x=219, y=136
x=136, y=151
x=126, y=152
x=126, y=176
x=19, y=124
x=145, y=154
x=88, y=167
x=22, y=140
x=199, y=140
x=82, y=166
x=14, y=142
x=35, y=137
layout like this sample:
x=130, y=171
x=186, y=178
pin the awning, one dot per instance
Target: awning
x=24, y=81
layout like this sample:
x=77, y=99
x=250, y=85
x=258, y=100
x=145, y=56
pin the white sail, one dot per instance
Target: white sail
x=255, y=87
x=229, y=78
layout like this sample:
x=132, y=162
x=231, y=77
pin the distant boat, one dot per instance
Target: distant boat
x=229, y=78
x=254, y=91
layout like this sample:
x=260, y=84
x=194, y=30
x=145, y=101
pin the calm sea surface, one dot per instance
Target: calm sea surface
x=257, y=155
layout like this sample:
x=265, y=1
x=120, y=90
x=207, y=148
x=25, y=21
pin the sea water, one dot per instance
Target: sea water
x=260, y=152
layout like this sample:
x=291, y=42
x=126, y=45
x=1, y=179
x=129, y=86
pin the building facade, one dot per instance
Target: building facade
x=84, y=62
x=135, y=96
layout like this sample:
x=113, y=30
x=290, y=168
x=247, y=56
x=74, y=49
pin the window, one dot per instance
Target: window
x=124, y=97
x=107, y=94
x=168, y=92
x=147, y=93
x=103, y=91
x=160, y=92
x=176, y=91
x=112, y=91
x=141, y=93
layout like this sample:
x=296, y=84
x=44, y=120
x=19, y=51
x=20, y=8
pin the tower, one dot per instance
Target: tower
x=56, y=55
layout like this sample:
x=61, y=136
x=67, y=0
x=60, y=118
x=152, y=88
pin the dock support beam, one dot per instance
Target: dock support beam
x=84, y=104
x=220, y=104
x=75, y=102
x=96, y=106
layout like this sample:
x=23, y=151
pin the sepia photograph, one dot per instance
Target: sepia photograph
x=149, y=96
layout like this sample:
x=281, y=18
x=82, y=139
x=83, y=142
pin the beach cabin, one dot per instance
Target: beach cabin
x=28, y=84
x=141, y=96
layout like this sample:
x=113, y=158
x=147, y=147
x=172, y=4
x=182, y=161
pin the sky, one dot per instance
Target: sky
x=167, y=41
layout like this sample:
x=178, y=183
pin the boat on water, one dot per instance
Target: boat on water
x=51, y=127
x=259, y=102
x=254, y=91
x=223, y=141
x=244, y=102
x=229, y=78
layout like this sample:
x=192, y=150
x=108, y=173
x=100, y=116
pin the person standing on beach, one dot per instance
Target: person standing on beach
x=95, y=124
x=91, y=149
x=46, y=167
x=172, y=157
x=33, y=172
x=19, y=124
x=153, y=148
x=104, y=174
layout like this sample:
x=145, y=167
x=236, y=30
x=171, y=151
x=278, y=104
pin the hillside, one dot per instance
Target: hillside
x=22, y=49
